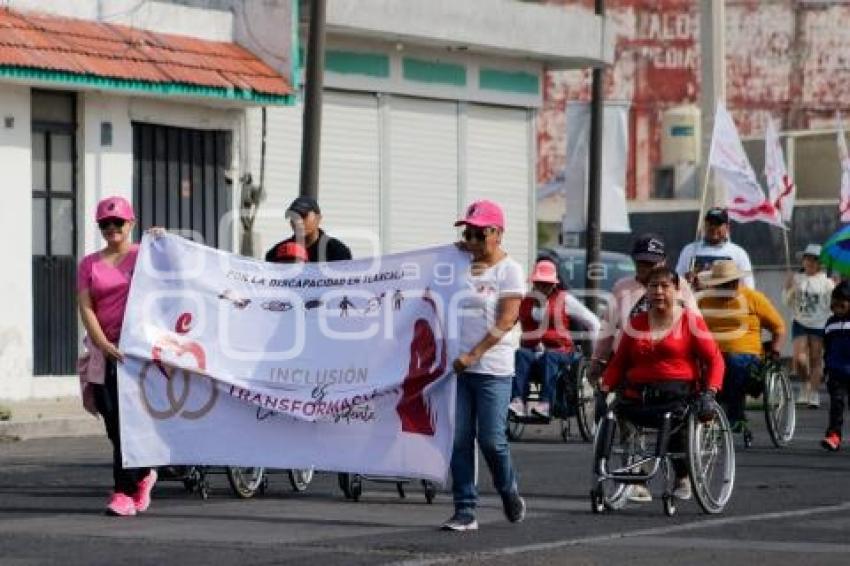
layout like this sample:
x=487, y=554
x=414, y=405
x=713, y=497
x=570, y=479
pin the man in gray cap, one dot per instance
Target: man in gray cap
x=305, y=216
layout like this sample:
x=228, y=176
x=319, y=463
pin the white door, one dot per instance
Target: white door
x=349, y=180
x=498, y=167
x=422, y=172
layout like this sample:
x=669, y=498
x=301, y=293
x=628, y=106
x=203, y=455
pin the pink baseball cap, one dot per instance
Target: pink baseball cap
x=545, y=272
x=483, y=213
x=114, y=207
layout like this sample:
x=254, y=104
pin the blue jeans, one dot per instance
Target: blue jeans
x=482, y=412
x=739, y=368
x=547, y=366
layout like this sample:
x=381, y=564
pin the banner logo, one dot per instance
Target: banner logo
x=178, y=403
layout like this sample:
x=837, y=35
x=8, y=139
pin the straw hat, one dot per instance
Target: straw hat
x=722, y=271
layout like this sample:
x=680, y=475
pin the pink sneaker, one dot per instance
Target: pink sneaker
x=121, y=505
x=142, y=499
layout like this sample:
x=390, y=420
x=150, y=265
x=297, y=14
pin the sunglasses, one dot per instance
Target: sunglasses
x=479, y=234
x=107, y=222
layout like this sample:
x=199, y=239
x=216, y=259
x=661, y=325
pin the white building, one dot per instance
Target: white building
x=428, y=104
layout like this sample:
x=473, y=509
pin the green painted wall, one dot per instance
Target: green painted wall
x=351, y=63
x=508, y=81
x=433, y=72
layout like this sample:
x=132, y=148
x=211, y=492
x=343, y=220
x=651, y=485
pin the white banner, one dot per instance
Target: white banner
x=573, y=181
x=844, y=161
x=343, y=366
x=780, y=186
x=745, y=199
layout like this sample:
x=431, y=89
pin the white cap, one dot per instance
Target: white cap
x=813, y=250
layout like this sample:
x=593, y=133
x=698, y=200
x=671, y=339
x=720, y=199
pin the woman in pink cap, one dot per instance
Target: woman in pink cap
x=103, y=283
x=545, y=316
x=485, y=369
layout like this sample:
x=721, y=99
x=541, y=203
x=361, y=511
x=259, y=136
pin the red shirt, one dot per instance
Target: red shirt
x=639, y=359
x=554, y=328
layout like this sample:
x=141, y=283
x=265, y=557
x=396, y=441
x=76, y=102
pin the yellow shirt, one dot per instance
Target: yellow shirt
x=736, y=321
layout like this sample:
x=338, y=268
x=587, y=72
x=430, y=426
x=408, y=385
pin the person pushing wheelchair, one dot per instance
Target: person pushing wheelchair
x=545, y=316
x=657, y=363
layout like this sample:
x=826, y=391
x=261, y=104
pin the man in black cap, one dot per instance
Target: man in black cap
x=305, y=216
x=629, y=299
x=715, y=245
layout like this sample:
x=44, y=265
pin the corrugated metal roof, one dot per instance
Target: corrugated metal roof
x=35, y=41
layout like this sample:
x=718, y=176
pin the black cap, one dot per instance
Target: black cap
x=717, y=215
x=649, y=247
x=302, y=205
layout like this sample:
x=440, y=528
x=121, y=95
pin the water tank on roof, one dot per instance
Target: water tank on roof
x=680, y=135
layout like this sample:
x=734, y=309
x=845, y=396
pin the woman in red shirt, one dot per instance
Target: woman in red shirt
x=659, y=358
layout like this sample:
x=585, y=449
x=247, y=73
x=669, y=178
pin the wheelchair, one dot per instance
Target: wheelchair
x=247, y=482
x=352, y=485
x=574, y=398
x=770, y=381
x=631, y=447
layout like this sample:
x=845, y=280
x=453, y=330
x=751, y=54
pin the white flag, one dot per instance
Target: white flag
x=780, y=187
x=745, y=199
x=615, y=141
x=844, y=160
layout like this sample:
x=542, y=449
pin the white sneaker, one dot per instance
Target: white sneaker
x=804, y=393
x=639, y=493
x=541, y=409
x=683, y=489
x=517, y=407
x=814, y=399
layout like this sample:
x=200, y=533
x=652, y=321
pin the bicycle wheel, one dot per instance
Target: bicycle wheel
x=300, y=479
x=711, y=460
x=780, y=413
x=245, y=482
x=585, y=403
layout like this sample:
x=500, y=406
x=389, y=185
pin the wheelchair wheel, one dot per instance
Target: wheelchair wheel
x=515, y=429
x=300, y=479
x=711, y=461
x=585, y=403
x=245, y=482
x=780, y=413
x=344, y=481
x=610, y=444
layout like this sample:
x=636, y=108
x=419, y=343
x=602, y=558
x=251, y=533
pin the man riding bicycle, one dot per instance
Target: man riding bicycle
x=736, y=315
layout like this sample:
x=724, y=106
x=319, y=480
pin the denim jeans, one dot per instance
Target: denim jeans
x=482, y=411
x=547, y=366
x=739, y=368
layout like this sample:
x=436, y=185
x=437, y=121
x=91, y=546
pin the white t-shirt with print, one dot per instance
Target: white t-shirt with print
x=810, y=297
x=478, y=316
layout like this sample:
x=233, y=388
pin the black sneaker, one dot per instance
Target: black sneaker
x=460, y=522
x=514, y=507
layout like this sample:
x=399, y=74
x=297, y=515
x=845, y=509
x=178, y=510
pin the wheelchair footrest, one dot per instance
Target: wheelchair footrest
x=530, y=419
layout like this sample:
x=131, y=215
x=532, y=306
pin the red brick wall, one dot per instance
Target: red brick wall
x=785, y=59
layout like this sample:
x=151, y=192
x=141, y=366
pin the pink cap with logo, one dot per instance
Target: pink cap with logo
x=545, y=272
x=114, y=207
x=483, y=213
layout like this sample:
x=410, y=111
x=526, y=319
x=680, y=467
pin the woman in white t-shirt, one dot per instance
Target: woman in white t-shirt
x=485, y=368
x=808, y=294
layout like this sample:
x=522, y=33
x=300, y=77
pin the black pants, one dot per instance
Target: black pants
x=838, y=386
x=647, y=409
x=106, y=396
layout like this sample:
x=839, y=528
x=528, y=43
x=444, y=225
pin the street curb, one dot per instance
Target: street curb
x=50, y=428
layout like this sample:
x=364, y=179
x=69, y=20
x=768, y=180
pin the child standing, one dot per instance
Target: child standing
x=808, y=294
x=837, y=362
